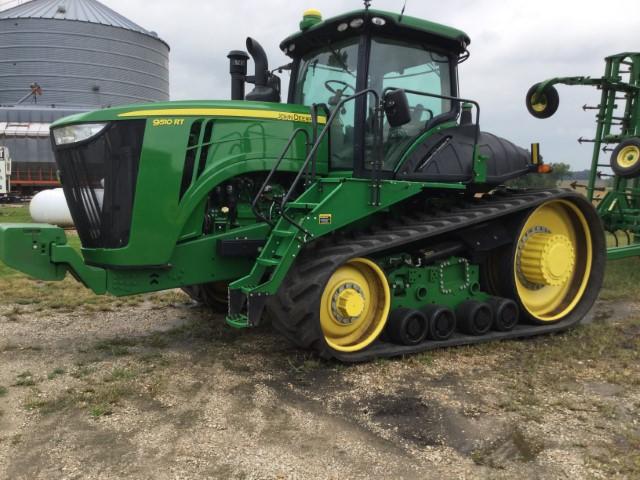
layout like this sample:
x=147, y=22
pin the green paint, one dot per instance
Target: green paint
x=326, y=196
x=617, y=253
x=41, y=251
x=27, y=247
x=448, y=282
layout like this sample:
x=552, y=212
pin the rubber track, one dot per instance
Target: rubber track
x=294, y=309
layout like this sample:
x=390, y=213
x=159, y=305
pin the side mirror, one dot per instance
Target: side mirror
x=396, y=108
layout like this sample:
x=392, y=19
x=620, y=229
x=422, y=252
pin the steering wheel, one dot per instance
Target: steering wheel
x=333, y=90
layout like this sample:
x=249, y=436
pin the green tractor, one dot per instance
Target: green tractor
x=365, y=216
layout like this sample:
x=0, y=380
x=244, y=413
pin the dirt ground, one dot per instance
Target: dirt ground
x=162, y=389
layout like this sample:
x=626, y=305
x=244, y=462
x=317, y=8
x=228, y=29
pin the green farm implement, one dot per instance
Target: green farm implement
x=618, y=125
x=366, y=216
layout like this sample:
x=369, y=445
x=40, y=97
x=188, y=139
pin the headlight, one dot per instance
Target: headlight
x=77, y=133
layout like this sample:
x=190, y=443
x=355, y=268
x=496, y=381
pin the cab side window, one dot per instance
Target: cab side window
x=397, y=64
x=328, y=76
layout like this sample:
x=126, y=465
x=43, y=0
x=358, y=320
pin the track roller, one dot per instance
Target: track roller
x=407, y=327
x=505, y=313
x=442, y=322
x=474, y=317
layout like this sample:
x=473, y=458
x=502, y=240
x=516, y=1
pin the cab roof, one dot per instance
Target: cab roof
x=395, y=25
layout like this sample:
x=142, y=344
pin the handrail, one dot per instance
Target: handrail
x=254, y=203
x=323, y=133
x=444, y=97
x=309, y=161
x=312, y=155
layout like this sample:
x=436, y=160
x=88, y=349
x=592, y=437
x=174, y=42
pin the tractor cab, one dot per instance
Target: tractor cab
x=369, y=49
x=356, y=65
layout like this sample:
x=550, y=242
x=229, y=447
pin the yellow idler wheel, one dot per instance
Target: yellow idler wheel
x=354, y=305
x=625, y=158
x=542, y=104
x=553, y=260
x=628, y=156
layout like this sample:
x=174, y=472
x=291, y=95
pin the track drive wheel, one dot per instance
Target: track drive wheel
x=332, y=309
x=625, y=158
x=555, y=267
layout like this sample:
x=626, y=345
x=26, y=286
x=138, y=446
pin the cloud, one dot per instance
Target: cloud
x=514, y=44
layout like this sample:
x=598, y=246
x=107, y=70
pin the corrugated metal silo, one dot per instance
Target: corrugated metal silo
x=79, y=52
x=59, y=57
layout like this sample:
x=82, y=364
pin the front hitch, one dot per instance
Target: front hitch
x=41, y=251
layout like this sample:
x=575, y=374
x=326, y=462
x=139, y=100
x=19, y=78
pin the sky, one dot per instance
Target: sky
x=513, y=45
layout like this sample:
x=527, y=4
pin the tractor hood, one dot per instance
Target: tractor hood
x=141, y=175
x=193, y=108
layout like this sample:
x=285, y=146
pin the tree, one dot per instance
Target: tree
x=560, y=172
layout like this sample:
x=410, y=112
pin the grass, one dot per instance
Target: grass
x=120, y=374
x=117, y=347
x=82, y=371
x=15, y=214
x=99, y=399
x=55, y=373
x=3, y=391
x=25, y=379
x=100, y=410
x=622, y=279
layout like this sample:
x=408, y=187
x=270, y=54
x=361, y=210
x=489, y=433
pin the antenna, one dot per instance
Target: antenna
x=404, y=5
x=367, y=4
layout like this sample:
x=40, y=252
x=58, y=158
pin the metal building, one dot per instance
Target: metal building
x=59, y=57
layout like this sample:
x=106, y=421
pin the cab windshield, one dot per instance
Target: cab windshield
x=329, y=74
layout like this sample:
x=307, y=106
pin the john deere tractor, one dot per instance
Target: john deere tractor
x=365, y=216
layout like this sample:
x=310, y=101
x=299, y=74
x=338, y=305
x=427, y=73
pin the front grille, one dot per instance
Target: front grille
x=99, y=181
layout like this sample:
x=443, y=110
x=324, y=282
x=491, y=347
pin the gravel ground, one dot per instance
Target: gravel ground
x=164, y=390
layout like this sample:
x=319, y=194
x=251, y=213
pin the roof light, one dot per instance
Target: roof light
x=342, y=27
x=378, y=21
x=310, y=18
x=356, y=23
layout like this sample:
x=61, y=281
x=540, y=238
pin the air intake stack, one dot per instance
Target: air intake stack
x=238, y=70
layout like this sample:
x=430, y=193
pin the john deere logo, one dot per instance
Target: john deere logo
x=324, y=219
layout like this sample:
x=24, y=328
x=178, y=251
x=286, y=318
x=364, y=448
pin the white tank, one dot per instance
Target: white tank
x=50, y=206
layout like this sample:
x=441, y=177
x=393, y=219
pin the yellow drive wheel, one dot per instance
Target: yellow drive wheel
x=553, y=260
x=625, y=159
x=354, y=305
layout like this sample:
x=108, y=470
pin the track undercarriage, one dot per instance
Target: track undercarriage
x=481, y=241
